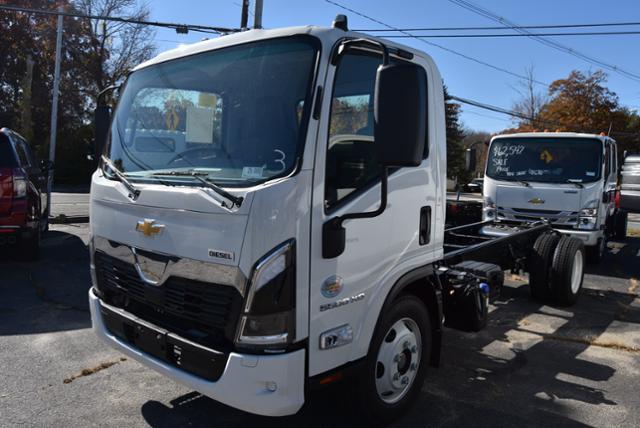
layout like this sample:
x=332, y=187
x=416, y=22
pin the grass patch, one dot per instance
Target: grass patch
x=93, y=370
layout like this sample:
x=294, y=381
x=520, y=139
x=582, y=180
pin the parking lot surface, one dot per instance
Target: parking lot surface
x=534, y=365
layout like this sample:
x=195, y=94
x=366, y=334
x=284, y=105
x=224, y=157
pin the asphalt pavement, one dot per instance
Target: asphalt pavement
x=71, y=205
x=534, y=365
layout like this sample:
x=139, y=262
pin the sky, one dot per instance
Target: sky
x=463, y=77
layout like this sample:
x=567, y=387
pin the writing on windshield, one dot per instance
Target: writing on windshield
x=545, y=159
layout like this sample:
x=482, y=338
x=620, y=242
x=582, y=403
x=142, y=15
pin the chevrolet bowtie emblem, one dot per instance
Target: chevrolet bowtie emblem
x=149, y=228
x=536, y=201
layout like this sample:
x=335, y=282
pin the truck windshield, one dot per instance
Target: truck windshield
x=235, y=116
x=550, y=160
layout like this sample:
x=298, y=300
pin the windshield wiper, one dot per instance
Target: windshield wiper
x=235, y=200
x=133, y=191
x=524, y=183
x=576, y=183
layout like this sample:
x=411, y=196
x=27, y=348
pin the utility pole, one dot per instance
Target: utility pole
x=244, y=19
x=54, y=109
x=257, y=14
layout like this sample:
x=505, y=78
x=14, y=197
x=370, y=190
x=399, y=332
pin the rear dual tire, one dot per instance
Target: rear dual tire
x=556, y=269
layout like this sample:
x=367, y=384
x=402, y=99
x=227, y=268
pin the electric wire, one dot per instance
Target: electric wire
x=547, y=42
x=550, y=26
x=439, y=46
x=176, y=26
x=462, y=36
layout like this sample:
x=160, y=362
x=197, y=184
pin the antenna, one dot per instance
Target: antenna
x=610, y=126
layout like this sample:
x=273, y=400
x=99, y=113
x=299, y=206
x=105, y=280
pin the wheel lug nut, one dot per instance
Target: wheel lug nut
x=414, y=349
x=406, y=345
x=413, y=367
x=396, y=358
x=405, y=380
x=396, y=376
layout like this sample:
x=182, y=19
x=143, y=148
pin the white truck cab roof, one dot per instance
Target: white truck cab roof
x=322, y=33
x=553, y=135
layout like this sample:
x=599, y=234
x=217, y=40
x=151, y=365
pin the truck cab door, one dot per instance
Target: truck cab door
x=347, y=180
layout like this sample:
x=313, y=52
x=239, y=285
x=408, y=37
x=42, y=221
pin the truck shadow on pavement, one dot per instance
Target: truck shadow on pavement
x=47, y=295
x=528, y=367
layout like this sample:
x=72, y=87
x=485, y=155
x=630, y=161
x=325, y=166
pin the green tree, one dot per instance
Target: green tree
x=456, y=152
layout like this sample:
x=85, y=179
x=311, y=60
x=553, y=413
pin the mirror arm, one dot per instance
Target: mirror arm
x=334, y=233
x=384, y=182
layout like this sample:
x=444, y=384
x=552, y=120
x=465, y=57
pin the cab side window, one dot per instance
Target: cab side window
x=351, y=162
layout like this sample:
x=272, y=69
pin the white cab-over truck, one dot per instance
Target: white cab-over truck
x=268, y=217
x=565, y=178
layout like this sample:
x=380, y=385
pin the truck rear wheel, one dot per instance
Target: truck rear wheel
x=567, y=271
x=540, y=266
x=396, y=364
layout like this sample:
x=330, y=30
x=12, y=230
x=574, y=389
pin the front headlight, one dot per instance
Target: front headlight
x=589, y=212
x=268, y=319
x=488, y=208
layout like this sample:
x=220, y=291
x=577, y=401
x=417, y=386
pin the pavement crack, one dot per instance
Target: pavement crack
x=42, y=295
x=93, y=370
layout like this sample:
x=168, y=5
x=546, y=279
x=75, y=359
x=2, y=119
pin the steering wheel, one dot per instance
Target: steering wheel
x=200, y=157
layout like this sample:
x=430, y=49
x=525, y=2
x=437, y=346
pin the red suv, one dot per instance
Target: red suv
x=23, y=195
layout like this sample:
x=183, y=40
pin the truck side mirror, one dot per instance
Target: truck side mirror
x=400, y=113
x=102, y=120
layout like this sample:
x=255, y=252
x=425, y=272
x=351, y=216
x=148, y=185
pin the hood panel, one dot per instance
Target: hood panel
x=187, y=222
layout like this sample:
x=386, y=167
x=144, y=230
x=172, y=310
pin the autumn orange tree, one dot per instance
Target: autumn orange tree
x=581, y=102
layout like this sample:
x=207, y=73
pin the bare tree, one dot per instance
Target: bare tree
x=117, y=46
x=530, y=102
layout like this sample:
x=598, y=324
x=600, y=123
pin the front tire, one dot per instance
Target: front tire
x=620, y=226
x=595, y=253
x=396, y=365
x=30, y=247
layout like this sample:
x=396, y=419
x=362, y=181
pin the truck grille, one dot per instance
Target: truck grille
x=203, y=312
x=556, y=218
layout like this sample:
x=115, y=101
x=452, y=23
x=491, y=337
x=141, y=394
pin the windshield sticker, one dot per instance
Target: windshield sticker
x=252, y=172
x=590, y=174
x=199, y=125
x=546, y=156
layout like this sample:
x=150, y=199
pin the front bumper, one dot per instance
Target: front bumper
x=588, y=237
x=269, y=385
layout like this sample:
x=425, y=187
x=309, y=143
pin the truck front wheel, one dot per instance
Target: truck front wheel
x=396, y=364
x=595, y=253
x=567, y=270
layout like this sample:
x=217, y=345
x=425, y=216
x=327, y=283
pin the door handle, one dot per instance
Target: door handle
x=424, y=236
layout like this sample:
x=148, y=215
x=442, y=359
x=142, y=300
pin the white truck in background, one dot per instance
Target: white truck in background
x=268, y=217
x=565, y=178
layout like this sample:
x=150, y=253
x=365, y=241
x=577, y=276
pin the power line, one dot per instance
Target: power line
x=549, y=43
x=462, y=36
x=406, y=33
x=531, y=119
x=178, y=27
x=609, y=24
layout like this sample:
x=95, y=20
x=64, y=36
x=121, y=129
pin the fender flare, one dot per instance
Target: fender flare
x=431, y=296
